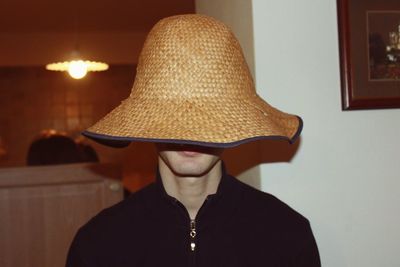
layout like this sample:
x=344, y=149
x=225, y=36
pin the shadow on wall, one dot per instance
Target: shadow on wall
x=244, y=157
x=139, y=164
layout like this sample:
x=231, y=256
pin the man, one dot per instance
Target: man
x=193, y=96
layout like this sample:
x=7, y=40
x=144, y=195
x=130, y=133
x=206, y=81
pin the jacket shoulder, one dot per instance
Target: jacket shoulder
x=268, y=218
x=112, y=231
x=267, y=207
x=132, y=208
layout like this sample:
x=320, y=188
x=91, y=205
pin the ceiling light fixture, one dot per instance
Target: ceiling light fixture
x=77, y=67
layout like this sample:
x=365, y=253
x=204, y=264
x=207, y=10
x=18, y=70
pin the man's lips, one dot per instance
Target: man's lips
x=188, y=153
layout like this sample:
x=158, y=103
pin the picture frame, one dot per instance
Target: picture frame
x=369, y=49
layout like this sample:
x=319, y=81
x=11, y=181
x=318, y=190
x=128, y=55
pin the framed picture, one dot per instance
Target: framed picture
x=369, y=42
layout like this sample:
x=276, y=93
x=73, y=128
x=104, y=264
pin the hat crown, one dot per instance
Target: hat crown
x=190, y=56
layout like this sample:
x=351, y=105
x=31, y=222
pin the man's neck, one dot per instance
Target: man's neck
x=190, y=191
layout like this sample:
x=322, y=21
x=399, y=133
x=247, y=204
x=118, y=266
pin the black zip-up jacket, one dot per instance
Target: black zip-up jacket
x=237, y=226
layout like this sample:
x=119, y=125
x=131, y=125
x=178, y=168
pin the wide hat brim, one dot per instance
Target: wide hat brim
x=213, y=124
x=193, y=86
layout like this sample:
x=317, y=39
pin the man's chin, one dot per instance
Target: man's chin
x=191, y=167
x=188, y=169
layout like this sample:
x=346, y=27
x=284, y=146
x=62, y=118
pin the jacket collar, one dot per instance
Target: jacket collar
x=218, y=206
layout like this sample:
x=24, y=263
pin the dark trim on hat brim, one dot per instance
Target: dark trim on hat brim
x=298, y=132
x=120, y=142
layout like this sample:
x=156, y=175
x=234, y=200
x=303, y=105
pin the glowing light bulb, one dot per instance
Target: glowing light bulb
x=77, y=69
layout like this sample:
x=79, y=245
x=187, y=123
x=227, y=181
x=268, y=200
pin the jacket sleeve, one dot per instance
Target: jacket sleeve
x=308, y=255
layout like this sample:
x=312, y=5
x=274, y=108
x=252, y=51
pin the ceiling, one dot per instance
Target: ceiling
x=36, y=32
x=27, y=16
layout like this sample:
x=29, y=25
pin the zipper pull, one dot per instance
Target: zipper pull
x=192, y=234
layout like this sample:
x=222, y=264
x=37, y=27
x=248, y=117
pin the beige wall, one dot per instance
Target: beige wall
x=345, y=174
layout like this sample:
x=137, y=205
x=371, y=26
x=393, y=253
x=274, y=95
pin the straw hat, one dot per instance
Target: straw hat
x=193, y=86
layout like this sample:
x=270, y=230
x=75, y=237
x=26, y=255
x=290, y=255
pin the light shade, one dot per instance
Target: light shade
x=77, y=69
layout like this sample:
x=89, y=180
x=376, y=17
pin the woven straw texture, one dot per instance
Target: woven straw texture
x=193, y=84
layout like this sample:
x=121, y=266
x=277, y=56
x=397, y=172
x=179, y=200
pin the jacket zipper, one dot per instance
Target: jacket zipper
x=192, y=235
x=192, y=229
